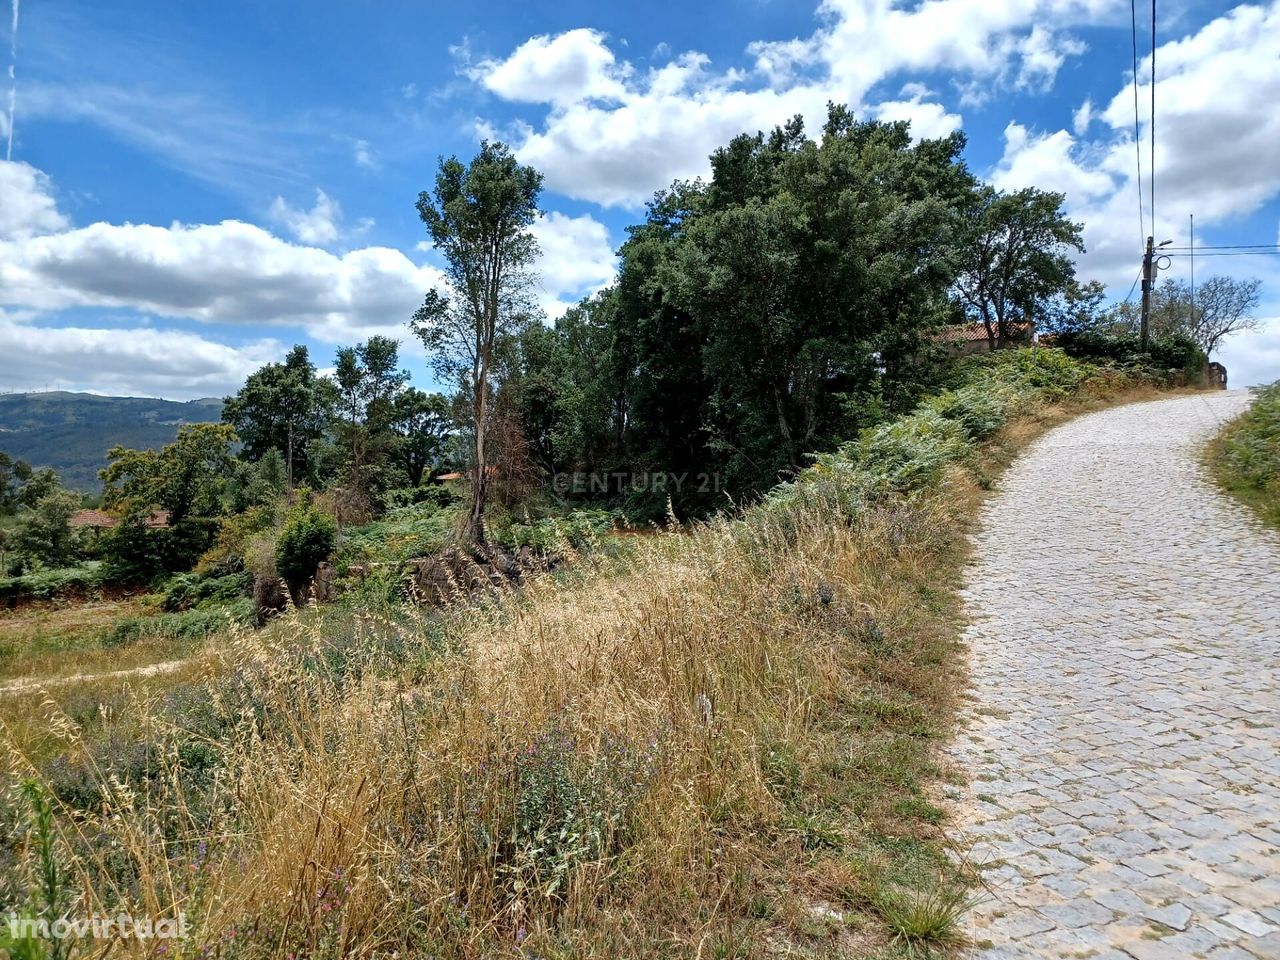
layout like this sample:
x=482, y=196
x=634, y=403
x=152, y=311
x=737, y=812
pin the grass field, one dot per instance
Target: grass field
x=721, y=741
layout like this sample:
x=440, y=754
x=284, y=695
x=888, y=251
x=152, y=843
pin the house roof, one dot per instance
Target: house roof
x=92, y=518
x=969, y=332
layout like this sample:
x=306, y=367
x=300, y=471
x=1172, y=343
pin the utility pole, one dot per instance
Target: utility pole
x=1148, y=277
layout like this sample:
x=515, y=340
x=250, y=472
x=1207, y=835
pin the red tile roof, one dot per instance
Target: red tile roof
x=93, y=518
x=969, y=332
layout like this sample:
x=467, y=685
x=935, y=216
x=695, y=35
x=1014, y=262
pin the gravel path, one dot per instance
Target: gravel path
x=1124, y=742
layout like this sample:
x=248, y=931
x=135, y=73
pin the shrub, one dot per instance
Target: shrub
x=187, y=590
x=135, y=554
x=189, y=625
x=308, y=537
x=577, y=529
x=1175, y=351
x=1247, y=456
x=431, y=494
x=79, y=581
x=912, y=453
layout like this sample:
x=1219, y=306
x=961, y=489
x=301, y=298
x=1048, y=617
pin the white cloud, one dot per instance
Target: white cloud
x=238, y=273
x=568, y=68
x=576, y=259
x=1218, y=132
x=1043, y=54
x=141, y=360
x=28, y=206
x=319, y=225
x=928, y=120
x=1253, y=357
x=364, y=155
x=615, y=133
x=230, y=272
x=1081, y=118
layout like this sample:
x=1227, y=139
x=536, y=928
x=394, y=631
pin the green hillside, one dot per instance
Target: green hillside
x=72, y=432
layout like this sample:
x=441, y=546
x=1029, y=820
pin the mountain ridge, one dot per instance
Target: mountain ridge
x=72, y=432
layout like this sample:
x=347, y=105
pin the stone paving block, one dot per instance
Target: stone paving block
x=1125, y=627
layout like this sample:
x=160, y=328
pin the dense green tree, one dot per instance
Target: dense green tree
x=479, y=216
x=185, y=477
x=13, y=474
x=368, y=382
x=308, y=537
x=283, y=407
x=1014, y=256
x=38, y=485
x=422, y=422
x=1077, y=308
x=44, y=533
x=765, y=307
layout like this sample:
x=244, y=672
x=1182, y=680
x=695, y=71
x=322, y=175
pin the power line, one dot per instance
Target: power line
x=1137, y=127
x=1237, y=253
x=1152, y=172
x=1229, y=246
x=1132, y=287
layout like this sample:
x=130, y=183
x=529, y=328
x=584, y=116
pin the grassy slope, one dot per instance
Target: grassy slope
x=721, y=743
x=1245, y=457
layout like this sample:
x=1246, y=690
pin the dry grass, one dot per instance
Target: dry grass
x=45, y=640
x=736, y=725
x=723, y=744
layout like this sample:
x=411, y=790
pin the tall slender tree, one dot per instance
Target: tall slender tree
x=479, y=216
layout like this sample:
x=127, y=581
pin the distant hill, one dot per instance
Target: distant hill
x=72, y=432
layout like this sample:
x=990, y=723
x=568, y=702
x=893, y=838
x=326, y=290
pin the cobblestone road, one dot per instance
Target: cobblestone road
x=1124, y=742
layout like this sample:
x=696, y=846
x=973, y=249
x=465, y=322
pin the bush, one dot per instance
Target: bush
x=431, y=494
x=189, y=625
x=912, y=453
x=187, y=590
x=81, y=581
x=308, y=538
x=402, y=534
x=134, y=553
x=577, y=529
x=1247, y=456
x=1172, y=352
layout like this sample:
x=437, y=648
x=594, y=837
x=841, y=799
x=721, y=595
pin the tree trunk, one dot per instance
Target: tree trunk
x=479, y=482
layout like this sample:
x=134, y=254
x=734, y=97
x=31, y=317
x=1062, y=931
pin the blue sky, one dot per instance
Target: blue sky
x=192, y=188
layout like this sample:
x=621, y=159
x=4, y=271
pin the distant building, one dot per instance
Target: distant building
x=94, y=520
x=966, y=338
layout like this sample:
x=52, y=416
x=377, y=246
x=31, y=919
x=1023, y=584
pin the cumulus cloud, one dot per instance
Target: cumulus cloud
x=615, y=133
x=230, y=272
x=565, y=69
x=576, y=259
x=364, y=155
x=319, y=225
x=29, y=207
x=1217, y=131
x=928, y=120
x=138, y=360
x=1252, y=358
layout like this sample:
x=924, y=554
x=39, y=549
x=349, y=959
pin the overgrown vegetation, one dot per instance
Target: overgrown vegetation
x=1245, y=457
x=718, y=739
